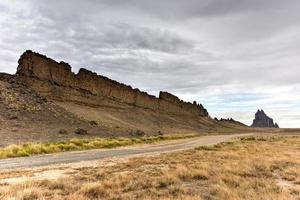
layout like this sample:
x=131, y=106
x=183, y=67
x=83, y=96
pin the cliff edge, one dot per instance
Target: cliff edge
x=46, y=101
x=56, y=80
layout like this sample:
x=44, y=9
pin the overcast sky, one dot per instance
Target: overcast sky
x=233, y=56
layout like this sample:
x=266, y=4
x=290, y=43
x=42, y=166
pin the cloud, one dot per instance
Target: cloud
x=125, y=36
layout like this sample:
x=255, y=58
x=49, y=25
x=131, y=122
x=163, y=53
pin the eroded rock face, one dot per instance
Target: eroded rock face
x=230, y=120
x=263, y=121
x=57, y=81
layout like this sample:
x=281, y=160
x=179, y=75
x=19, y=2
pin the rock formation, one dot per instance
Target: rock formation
x=230, y=120
x=57, y=81
x=46, y=101
x=263, y=121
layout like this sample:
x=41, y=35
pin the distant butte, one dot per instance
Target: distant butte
x=263, y=121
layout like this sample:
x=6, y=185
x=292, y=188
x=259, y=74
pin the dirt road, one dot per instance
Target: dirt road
x=78, y=156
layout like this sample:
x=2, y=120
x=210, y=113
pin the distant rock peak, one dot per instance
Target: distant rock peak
x=263, y=121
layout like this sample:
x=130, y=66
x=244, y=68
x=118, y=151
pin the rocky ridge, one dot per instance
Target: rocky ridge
x=229, y=120
x=57, y=81
x=46, y=101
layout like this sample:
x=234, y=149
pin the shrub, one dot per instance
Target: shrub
x=81, y=131
x=63, y=132
x=93, y=123
x=138, y=133
x=159, y=133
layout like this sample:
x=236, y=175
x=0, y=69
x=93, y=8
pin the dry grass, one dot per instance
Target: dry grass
x=82, y=144
x=251, y=168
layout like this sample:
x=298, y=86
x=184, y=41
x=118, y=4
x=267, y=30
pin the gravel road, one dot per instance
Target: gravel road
x=79, y=156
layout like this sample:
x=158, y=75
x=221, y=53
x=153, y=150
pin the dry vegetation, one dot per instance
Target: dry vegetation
x=251, y=168
x=82, y=144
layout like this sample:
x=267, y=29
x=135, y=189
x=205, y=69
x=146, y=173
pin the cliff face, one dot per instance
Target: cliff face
x=263, y=121
x=57, y=81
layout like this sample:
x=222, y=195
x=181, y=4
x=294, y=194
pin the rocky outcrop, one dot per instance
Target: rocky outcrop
x=187, y=106
x=263, y=121
x=230, y=120
x=57, y=81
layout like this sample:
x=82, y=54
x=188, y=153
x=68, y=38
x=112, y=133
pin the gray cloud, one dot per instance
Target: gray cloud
x=235, y=56
x=182, y=10
x=125, y=36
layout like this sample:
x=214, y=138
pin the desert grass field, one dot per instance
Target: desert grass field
x=260, y=167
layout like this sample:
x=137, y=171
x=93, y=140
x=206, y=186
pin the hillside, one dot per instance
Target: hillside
x=45, y=98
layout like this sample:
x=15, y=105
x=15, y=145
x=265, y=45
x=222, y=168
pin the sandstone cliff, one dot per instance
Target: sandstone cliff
x=46, y=101
x=263, y=121
x=57, y=81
